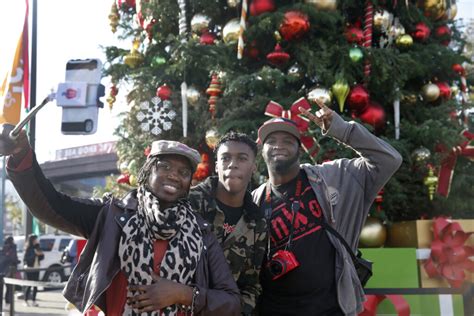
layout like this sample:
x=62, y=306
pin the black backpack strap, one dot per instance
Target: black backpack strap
x=341, y=239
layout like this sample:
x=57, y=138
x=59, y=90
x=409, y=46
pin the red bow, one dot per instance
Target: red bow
x=445, y=175
x=449, y=256
x=309, y=143
x=370, y=305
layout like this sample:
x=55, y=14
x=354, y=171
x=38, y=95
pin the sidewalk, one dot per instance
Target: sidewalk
x=50, y=302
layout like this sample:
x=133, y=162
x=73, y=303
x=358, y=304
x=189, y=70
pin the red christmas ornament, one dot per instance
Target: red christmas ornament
x=443, y=33
x=207, y=38
x=213, y=91
x=354, y=35
x=457, y=68
x=126, y=4
x=258, y=7
x=203, y=168
x=379, y=200
x=278, y=57
x=374, y=114
x=124, y=178
x=358, y=98
x=444, y=90
x=149, y=29
x=294, y=25
x=163, y=92
x=422, y=32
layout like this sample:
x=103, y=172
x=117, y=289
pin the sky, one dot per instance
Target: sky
x=75, y=30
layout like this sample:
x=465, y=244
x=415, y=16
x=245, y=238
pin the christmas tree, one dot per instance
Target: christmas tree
x=201, y=68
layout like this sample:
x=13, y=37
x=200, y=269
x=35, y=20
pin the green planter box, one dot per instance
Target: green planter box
x=392, y=267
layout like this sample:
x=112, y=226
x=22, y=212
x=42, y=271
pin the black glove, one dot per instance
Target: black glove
x=9, y=146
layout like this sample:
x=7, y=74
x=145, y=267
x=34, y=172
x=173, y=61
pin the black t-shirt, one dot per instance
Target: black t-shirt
x=309, y=289
x=232, y=216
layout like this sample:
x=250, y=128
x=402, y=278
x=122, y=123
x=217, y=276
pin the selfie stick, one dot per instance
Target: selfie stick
x=16, y=131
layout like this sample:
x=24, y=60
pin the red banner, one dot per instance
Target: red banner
x=14, y=79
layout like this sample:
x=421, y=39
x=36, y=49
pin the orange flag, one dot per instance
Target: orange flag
x=14, y=73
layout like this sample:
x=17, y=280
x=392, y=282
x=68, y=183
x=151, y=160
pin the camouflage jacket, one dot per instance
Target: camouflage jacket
x=244, y=248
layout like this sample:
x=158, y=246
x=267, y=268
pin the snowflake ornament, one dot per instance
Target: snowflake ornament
x=156, y=116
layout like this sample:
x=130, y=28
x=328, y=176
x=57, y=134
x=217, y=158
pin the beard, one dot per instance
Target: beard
x=282, y=166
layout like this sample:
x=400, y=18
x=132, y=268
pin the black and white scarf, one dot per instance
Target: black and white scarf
x=176, y=224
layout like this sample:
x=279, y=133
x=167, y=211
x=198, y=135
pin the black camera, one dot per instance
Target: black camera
x=282, y=262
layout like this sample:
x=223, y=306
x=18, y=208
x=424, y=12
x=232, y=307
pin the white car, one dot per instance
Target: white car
x=52, y=247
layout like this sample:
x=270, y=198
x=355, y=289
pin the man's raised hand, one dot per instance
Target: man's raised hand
x=322, y=117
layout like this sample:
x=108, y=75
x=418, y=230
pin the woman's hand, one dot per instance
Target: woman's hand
x=160, y=294
x=323, y=117
x=9, y=146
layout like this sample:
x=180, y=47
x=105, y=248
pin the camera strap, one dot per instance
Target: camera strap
x=295, y=206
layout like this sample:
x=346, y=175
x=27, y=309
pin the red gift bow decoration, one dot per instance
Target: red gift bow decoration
x=449, y=256
x=309, y=143
x=370, y=305
x=466, y=148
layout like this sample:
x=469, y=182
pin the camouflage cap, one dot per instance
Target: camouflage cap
x=171, y=147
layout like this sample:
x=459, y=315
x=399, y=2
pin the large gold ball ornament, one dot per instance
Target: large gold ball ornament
x=230, y=33
x=212, y=137
x=192, y=95
x=382, y=20
x=434, y=9
x=200, y=23
x=430, y=92
x=373, y=234
x=421, y=154
x=323, y=5
x=404, y=41
x=451, y=12
x=321, y=95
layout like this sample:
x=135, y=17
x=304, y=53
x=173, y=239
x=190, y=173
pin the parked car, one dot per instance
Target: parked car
x=52, y=246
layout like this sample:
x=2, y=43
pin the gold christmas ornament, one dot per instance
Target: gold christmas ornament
x=451, y=12
x=409, y=99
x=230, y=33
x=134, y=58
x=341, y=90
x=382, y=20
x=200, y=23
x=430, y=92
x=233, y=3
x=431, y=181
x=373, y=234
x=323, y=5
x=404, y=41
x=133, y=180
x=421, y=154
x=435, y=9
x=192, y=95
x=114, y=17
x=212, y=137
x=320, y=94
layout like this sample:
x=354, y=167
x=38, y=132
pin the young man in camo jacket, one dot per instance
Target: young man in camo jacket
x=224, y=201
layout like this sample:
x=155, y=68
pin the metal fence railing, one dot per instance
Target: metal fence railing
x=13, y=282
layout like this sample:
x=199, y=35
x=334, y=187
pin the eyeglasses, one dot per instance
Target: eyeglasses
x=167, y=167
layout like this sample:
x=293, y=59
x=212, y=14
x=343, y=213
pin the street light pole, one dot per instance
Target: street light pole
x=32, y=124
